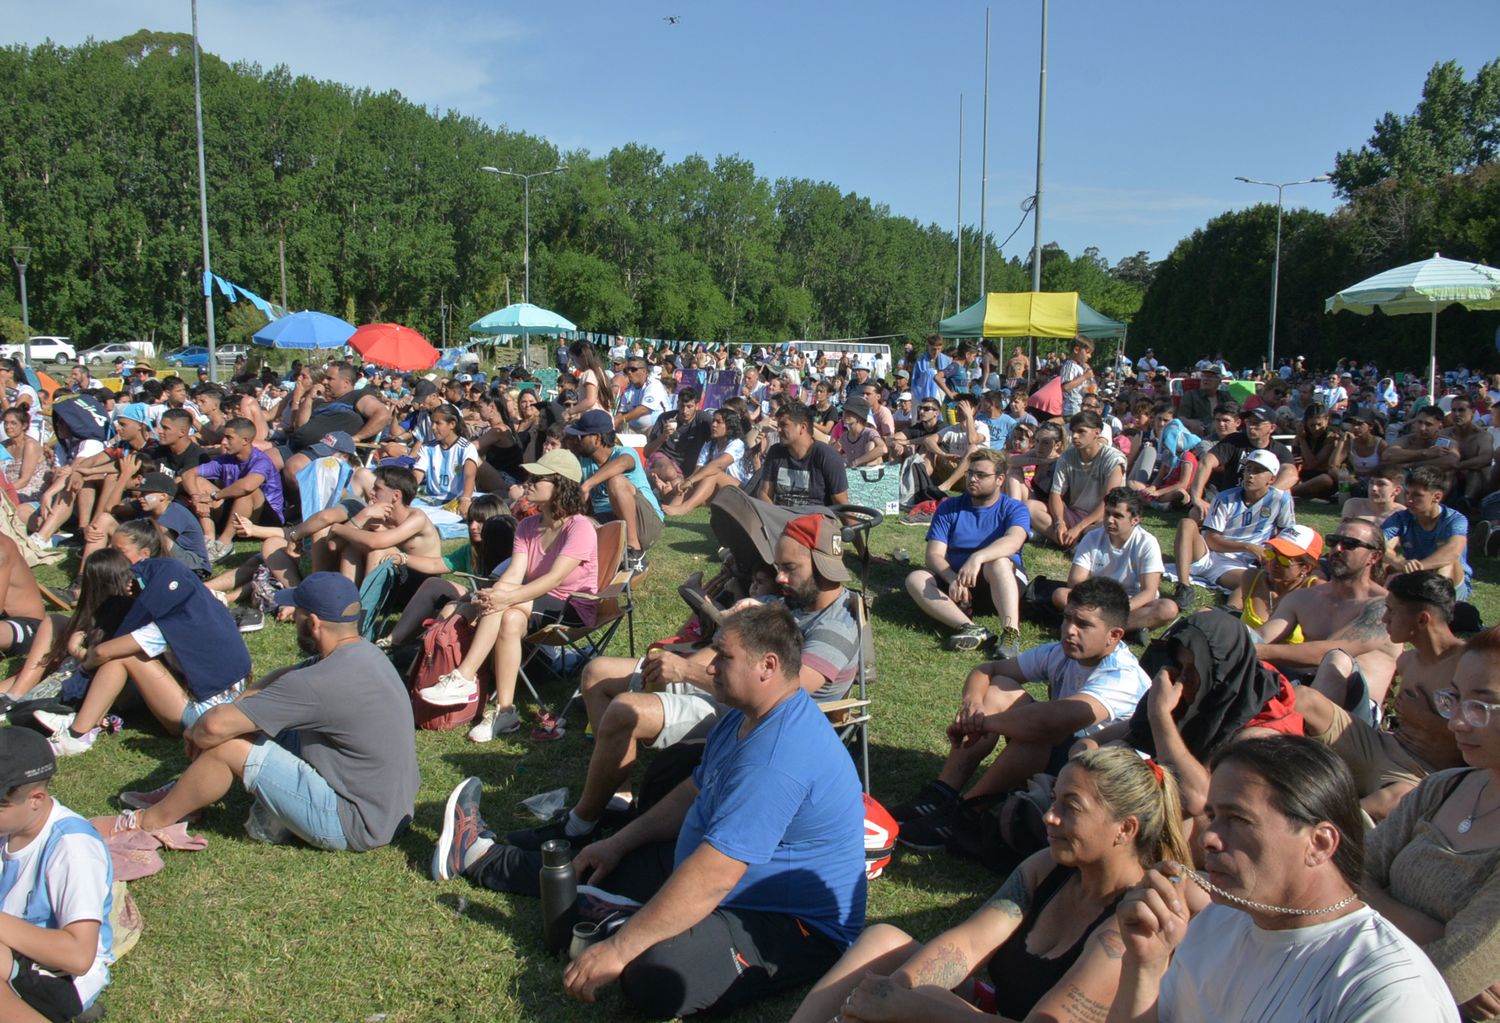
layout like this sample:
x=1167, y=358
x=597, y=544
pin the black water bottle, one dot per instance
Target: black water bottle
x=559, y=886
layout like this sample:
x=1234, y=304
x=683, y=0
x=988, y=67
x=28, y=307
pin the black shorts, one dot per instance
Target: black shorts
x=22, y=634
x=548, y=610
x=53, y=997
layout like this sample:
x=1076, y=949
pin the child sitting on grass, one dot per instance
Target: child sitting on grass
x=54, y=892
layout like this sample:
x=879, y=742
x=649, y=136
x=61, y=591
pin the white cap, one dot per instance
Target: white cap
x=1263, y=458
x=904, y=396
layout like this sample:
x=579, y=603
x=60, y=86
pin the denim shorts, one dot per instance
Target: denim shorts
x=195, y=710
x=296, y=795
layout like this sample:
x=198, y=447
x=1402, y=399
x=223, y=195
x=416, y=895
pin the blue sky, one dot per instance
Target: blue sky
x=1153, y=107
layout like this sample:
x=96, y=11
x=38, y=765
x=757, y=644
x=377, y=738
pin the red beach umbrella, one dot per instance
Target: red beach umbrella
x=393, y=346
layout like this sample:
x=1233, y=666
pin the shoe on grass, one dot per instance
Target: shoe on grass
x=933, y=798
x=452, y=690
x=1008, y=646
x=462, y=827
x=1189, y=597
x=495, y=722
x=933, y=832
x=1137, y=637
x=66, y=744
x=53, y=723
x=1481, y=537
x=531, y=839
x=247, y=619
x=970, y=637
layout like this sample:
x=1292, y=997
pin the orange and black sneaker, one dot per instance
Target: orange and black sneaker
x=462, y=827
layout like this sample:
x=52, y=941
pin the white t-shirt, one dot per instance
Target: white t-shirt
x=86, y=449
x=1117, y=681
x=1072, y=400
x=1357, y=969
x=443, y=468
x=1271, y=516
x=650, y=394
x=77, y=880
x=954, y=440
x=1140, y=555
x=735, y=449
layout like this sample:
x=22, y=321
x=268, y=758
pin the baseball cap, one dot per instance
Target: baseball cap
x=424, y=388
x=557, y=462
x=156, y=483
x=904, y=396
x=1297, y=542
x=820, y=534
x=464, y=378
x=1264, y=413
x=330, y=595
x=25, y=757
x=1263, y=458
x=856, y=407
x=371, y=370
x=903, y=374
x=338, y=440
x=594, y=421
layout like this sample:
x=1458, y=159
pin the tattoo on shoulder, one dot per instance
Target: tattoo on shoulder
x=1110, y=942
x=943, y=965
x=1014, y=898
x=1371, y=621
x=1080, y=1008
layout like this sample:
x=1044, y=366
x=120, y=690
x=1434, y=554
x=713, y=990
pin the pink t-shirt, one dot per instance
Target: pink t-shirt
x=577, y=540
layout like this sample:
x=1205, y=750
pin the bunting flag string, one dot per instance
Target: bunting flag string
x=234, y=292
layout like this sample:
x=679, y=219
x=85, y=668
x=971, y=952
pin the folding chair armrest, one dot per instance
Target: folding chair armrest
x=843, y=712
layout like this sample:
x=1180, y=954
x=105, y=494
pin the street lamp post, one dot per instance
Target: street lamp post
x=18, y=255
x=526, y=187
x=1276, y=264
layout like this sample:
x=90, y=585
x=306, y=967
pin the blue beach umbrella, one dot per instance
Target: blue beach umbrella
x=523, y=319
x=307, y=329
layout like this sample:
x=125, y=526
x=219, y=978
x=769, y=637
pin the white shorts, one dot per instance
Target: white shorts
x=1212, y=566
x=688, y=713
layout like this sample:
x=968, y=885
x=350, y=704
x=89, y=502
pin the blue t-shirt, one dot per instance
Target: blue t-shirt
x=1416, y=542
x=965, y=528
x=923, y=377
x=599, y=496
x=785, y=801
x=187, y=531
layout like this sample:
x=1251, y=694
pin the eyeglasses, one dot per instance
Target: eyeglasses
x=974, y=475
x=1350, y=543
x=1475, y=712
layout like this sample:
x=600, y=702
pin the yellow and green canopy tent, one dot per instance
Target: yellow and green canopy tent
x=1031, y=314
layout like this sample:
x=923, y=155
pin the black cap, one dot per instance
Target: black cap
x=25, y=757
x=156, y=483
x=1262, y=412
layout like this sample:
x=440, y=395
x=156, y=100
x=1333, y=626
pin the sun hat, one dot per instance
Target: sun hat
x=557, y=462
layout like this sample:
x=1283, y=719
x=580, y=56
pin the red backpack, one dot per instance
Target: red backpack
x=881, y=830
x=443, y=646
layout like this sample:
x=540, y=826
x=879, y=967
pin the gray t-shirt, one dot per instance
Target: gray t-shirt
x=353, y=717
x=1082, y=482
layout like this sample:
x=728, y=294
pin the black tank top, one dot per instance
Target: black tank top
x=1021, y=979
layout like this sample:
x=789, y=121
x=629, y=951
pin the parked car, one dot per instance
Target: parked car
x=101, y=355
x=47, y=348
x=197, y=355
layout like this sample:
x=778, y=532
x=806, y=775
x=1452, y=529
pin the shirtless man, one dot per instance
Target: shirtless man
x=1476, y=449
x=386, y=527
x=1423, y=445
x=23, y=617
x=1344, y=638
x=1389, y=764
x=1385, y=487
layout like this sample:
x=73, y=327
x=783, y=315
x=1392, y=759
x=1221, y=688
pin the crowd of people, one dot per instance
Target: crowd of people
x=1255, y=781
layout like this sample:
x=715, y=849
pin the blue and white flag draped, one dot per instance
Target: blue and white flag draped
x=234, y=292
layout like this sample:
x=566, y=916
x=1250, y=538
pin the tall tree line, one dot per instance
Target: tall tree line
x=385, y=215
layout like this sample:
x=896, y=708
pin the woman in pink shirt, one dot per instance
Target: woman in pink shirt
x=555, y=556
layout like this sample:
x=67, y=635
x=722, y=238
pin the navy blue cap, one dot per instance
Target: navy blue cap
x=25, y=757
x=329, y=595
x=594, y=421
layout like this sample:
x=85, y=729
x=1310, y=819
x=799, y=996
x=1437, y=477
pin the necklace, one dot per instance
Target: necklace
x=1474, y=814
x=1261, y=907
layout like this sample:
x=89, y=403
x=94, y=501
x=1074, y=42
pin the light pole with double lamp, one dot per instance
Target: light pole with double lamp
x=526, y=186
x=18, y=255
x=1276, y=266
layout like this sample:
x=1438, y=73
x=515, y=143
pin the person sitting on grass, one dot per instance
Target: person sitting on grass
x=1093, y=680
x=1125, y=551
x=448, y=462
x=241, y=481
x=1084, y=473
x=325, y=746
x=860, y=442
x=616, y=484
x=751, y=872
x=175, y=621
x=55, y=898
x=1290, y=563
x=1164, y=461
x=1384, y=490
x=721, y=463
x=387, y=527
x=668, y=698
x=24, y=624
x=1046, y=945
x=973, y=554
x=492, y=537
x=1427, y=534
x=555, y=556
x=153, y=496
x=1286, y=935
x=1234, y=532
x=800, y=470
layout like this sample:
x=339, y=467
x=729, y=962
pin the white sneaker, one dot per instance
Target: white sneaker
x=66, y=744
x=452, y=690
x=54, y=723
x=37, y=542
x=495, y=722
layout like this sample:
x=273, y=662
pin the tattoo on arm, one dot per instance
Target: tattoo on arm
x=1111, y=943
x=943, y=964
x=1014, y=898
x=1080, y=1008
x=1371, y=621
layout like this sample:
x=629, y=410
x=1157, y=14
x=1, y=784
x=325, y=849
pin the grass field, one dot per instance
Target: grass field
x=248, y=932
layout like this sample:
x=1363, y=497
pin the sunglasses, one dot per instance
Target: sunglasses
x=1277, y=558
x=1350, y=543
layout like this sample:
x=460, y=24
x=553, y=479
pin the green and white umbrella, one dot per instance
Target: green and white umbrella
x=1428, y=286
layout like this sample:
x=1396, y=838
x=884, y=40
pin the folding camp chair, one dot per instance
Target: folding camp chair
x=850, y=717
x=613, y=605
